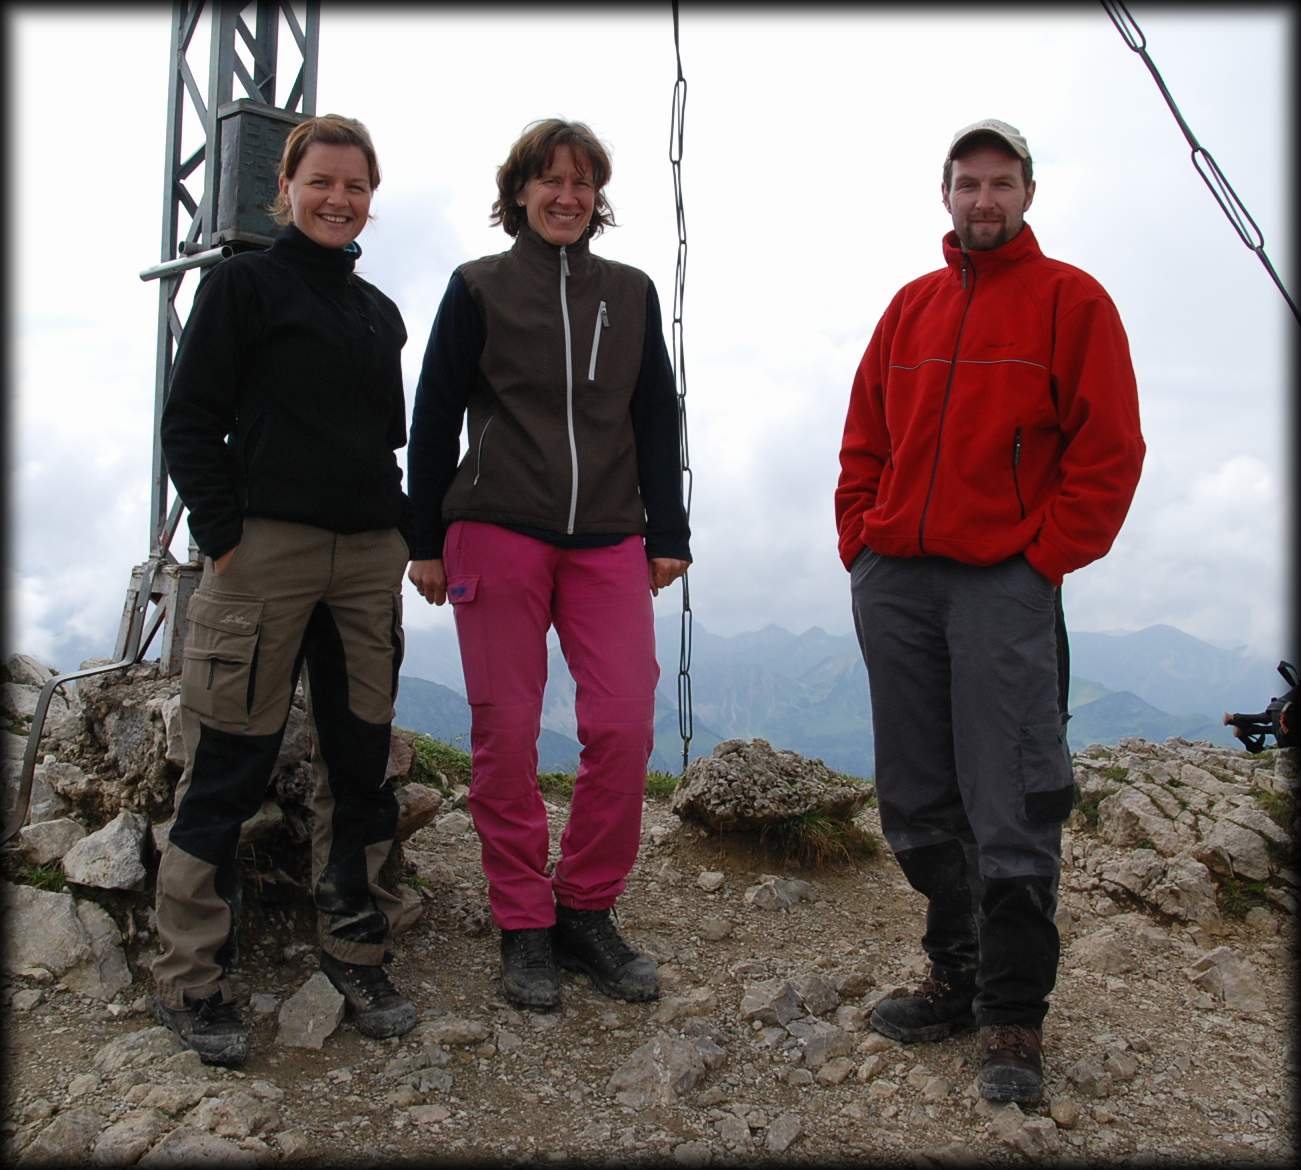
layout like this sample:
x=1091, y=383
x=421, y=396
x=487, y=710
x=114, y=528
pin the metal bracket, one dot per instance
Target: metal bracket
x=134, y=637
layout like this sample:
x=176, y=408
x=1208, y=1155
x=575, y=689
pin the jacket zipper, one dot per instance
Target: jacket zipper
x=944, y=406
x=478, y=453
x=1016, y=479
x=569, y=393
x=602, y=322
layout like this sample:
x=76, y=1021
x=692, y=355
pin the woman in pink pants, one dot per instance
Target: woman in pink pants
x=565, y=511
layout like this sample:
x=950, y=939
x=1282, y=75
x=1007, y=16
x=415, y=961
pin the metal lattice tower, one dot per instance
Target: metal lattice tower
x=234, y=144
x=237, y=152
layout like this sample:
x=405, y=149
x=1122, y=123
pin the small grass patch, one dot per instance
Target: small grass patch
x=1278, y=806
x=415, y=881
x=1236, y=897
x=1088, y=805
x=661, y=784
x=43, y=877
x=556, y=783
x=815, y=839
x=432, y=756
x=1116, y=772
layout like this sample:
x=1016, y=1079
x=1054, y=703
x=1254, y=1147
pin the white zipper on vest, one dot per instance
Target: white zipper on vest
x=569, y=393
x=602, y=321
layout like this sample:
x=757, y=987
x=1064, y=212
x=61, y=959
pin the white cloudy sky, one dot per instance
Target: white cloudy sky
x=813, y=148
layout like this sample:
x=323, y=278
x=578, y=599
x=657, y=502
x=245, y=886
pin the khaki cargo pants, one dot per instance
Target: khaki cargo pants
x=292, y=593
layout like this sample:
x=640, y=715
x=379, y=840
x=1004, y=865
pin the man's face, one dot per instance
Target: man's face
x=987, y=197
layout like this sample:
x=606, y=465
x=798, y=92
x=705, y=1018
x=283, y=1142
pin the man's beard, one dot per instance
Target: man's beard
x=985, y=243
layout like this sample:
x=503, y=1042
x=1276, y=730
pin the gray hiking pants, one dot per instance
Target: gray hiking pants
x=973, y=774
x=970, y=740
x=291, y=594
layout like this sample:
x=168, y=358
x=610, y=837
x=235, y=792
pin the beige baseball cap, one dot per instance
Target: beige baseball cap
x=1009, y=134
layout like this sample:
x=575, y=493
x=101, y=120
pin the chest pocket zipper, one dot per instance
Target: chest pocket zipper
x=602, y=322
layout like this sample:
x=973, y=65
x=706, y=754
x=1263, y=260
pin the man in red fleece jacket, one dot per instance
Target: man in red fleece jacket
x=992, y=445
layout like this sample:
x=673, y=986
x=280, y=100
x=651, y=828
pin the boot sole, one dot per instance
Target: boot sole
x=928, y=1032
x=571, y=962
x=531, y=1004
x=1024, y=1093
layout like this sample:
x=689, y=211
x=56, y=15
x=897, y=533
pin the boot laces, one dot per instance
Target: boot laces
x=933, y=989
x=215, y=1010
x=535, y=948
x=1013, y=1038
x=372, y=981
x=601, y=929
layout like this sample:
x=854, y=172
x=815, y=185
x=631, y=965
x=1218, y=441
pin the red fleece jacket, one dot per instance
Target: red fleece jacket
x=994, y=413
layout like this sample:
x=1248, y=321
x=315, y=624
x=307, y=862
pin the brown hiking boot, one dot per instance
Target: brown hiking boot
x=938, y=1008
x=1011, y=1063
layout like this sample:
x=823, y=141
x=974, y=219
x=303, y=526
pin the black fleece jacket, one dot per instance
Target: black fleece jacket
x=286, y=396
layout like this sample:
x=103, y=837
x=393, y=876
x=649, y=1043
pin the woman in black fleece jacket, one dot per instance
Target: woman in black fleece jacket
x=284, y=411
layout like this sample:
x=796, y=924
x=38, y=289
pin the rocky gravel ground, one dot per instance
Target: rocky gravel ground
x=759, y=1051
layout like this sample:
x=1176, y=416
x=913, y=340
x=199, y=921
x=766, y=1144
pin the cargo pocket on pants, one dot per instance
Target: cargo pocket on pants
x=220, y=660
x=472, y=636
x=1047, y=781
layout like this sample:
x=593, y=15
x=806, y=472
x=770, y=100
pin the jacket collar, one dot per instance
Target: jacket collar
x=294, y=246
x=533, y=249
x=1022, y=246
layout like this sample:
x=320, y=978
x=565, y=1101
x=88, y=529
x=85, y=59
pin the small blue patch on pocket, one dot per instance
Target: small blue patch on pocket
x=462, y=589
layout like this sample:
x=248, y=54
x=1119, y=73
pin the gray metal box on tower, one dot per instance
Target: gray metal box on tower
x=252, y=137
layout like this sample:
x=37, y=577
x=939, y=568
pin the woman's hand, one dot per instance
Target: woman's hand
x=664, y=571
x=219, y=565
x=430, y=580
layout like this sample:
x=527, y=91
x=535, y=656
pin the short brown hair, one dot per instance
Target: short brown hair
x=532, y=154
x=987, y=139
x=333, y=130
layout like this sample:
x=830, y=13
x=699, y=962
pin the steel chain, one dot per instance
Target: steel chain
x=676, y=126
x=1203, y=162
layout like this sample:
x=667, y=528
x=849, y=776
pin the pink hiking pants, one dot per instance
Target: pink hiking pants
x=507, y=590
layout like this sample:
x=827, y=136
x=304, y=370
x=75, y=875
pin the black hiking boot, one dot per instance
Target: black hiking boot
x=529, y=977
x=377, y=1007
x=209, y=1026
x=938, y=1008
x=586, y=940
x=1011, y=1063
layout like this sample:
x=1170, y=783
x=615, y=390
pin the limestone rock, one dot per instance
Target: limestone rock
x=771, y=1001
x=142, y=1049
x=187, y=1146
x=747, y=785
x=663, y=1070
x=66, y=1140
x=311, y=1014
x=72, y=939
x=776, y=893
x=1105, y=950
x=418, y=804
x=1229, y=978
x=111, y=857
x=47, y=841
x=123, y=1142
x=44, y=804
x=235, y=1114
x=1232, y=849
